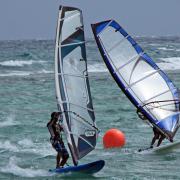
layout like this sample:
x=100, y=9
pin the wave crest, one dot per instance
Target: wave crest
x=25, y=73
x=10, y=121
x=172, y=63
x=18, y=63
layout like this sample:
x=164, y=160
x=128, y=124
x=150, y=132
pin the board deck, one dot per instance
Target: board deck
x=89, y=168
x=164, y=148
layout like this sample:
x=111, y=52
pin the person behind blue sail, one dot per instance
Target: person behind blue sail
x=157, y=136
x=55, y=130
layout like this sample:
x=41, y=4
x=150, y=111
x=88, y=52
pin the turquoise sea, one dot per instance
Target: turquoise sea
x=27, y=98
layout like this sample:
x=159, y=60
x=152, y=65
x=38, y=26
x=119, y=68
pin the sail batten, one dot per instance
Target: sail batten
x=66, y=102
x=98, y=34
x=143, y=78
x=73, y=44
x=69, y=17
x=138, y=76
x=129, y=61
x=72, y=84
x=157, y=95
x=118, y=43
x=74, y=75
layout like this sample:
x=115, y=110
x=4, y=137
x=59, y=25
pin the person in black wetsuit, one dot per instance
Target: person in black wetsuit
x=55, y=130
x=157, y=136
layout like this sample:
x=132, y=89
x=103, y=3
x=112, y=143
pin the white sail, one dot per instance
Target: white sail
x=72, y=84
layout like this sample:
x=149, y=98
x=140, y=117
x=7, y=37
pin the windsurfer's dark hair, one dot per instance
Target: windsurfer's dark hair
x=54, y=113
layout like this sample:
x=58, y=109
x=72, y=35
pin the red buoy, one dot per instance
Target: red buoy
x=114, y=138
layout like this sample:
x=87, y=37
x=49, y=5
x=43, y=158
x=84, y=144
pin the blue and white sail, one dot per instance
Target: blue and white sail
x=72, y=84
x=143, y=82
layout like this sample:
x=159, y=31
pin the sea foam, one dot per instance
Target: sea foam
x=19, y=63
x=172, y=63
x=7, y=145
x=25, y=73
x=10, y=121
x=43, y=148
x=16, y=73
x=13, y=168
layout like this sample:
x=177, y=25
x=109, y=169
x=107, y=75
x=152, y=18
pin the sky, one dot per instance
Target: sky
x=36, y=19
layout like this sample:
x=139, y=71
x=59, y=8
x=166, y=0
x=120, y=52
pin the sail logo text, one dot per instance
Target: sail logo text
x=89, y=133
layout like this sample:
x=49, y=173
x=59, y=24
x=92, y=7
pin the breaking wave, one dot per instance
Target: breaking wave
x=13, y=168
x=168, y=49
x=19, y=63
x=10, y=121
x=25, y=73
x=172, y=63
x=16, y=73
x=28, y=146
x=8, y=146
x=43, y=149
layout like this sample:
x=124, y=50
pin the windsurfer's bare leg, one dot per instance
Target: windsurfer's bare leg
x=58, y=158
x=156, y=136
x=153, y=141
x=160, y=140
x=64, y=160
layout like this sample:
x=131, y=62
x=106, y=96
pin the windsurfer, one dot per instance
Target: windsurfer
x=55, y=130
x=157, y=136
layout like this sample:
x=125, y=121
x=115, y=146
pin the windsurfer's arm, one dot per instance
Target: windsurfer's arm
x=141, y=115
x=60, y=123
x=60, y=128
x=49, y=126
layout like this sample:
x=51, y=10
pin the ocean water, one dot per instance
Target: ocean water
x=27, y=98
